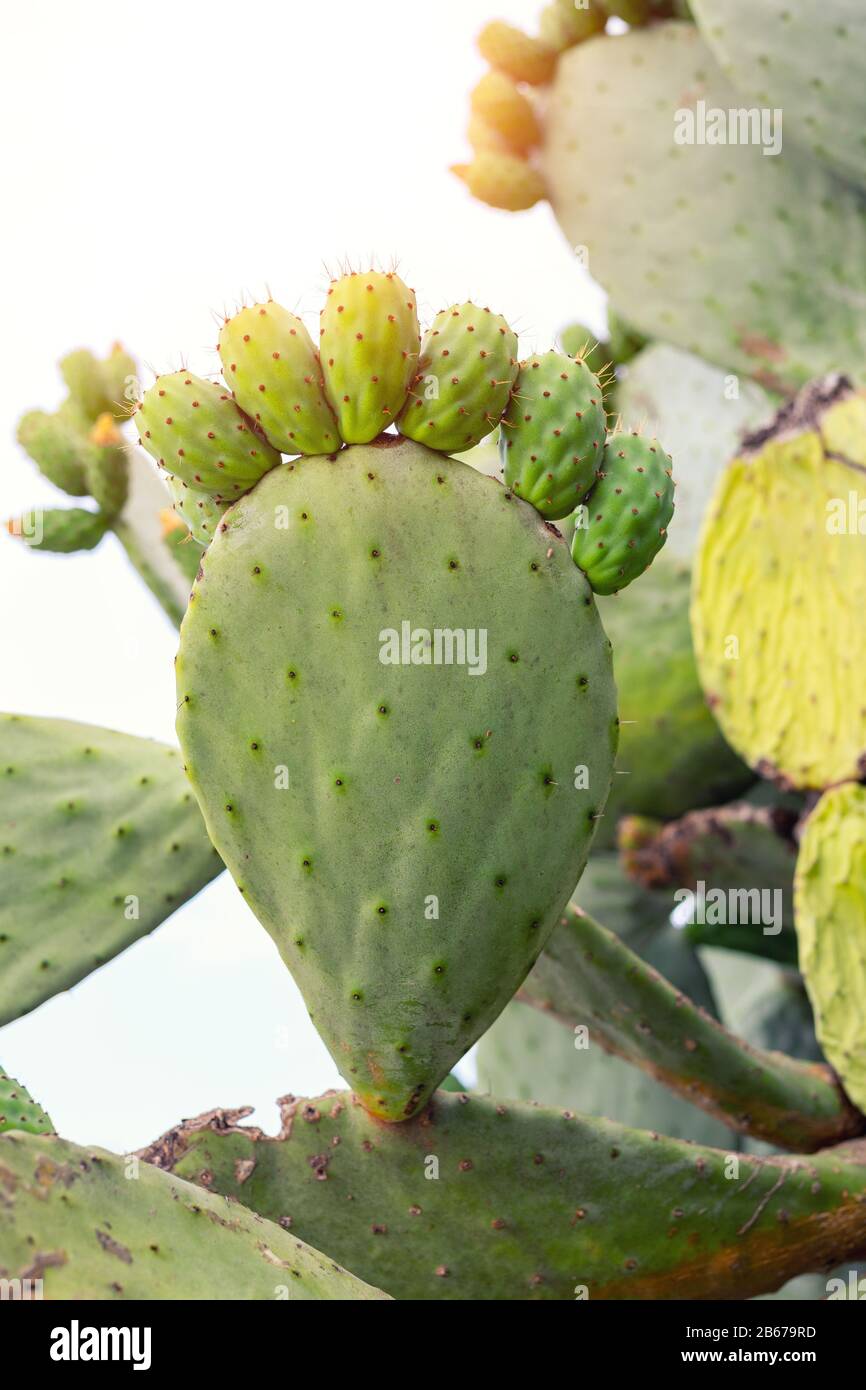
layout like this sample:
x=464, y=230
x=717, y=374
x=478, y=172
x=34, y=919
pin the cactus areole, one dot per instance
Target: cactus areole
x=397, y=767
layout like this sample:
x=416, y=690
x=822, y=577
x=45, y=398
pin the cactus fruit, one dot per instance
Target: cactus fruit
x=73, y=1225
x=701, y=414
x=195, y=430
x=18, y=1110
x=100, y=841
x=529, y=1202
x=672, y=756
x=768, y=628
x=783, y=56
x=201, y=512
x=502, y=180
x=273, y=369
x=708, y=246
x=503, y=108
x=99, y=387
x=627, y=514
x=512, y=52
x=408, y=898
x=562, y=23
x=465, y=374
x=830, y=913
x=552, y=435
x=368, y=345
x=60, y=529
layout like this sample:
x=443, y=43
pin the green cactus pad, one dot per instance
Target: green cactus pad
x=480, y=1199
x=18, y=1110
x=830, y=906
x=194, y=429
x=701, y=414
x=552, y=434
x=95, y=1225
x=465, y=374
x=54, y=444
x=368, y=344
x=201, y=511
x=672, y=757
x=272, y=367
x=586, y=975
x=805, y=59
x=708, y=246
x=627, y=513
x=100, y=841
x=407, y=895
x=780, y=590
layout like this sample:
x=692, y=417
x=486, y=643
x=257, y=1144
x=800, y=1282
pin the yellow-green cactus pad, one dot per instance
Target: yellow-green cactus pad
x=780, y=591
x=830, y=908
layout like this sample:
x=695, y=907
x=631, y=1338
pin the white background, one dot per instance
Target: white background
x=162, y=162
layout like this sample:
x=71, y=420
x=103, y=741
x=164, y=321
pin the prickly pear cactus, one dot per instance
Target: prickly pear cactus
x=780, y=589
x=552, y=435
x=466, y=371
x=805, y=59
x=501, y=111
x=523, y=58
x=368, y=343
x=18, y=1110
x=99, y=386
x=273, y=369
x=408, y=894
x=830, y=915
x=195, y=431
x=627, y=513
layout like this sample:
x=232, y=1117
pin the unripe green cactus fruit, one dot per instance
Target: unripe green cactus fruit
x=200, y=511
x=408, y=894
x=552, y=434
x=465, y=374
x=368, y=343
x=272, y=367
x=830, y=916
x=18, y=1110
x=195, y=430
x=627, y=513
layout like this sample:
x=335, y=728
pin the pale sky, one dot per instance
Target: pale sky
x=161, y=162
